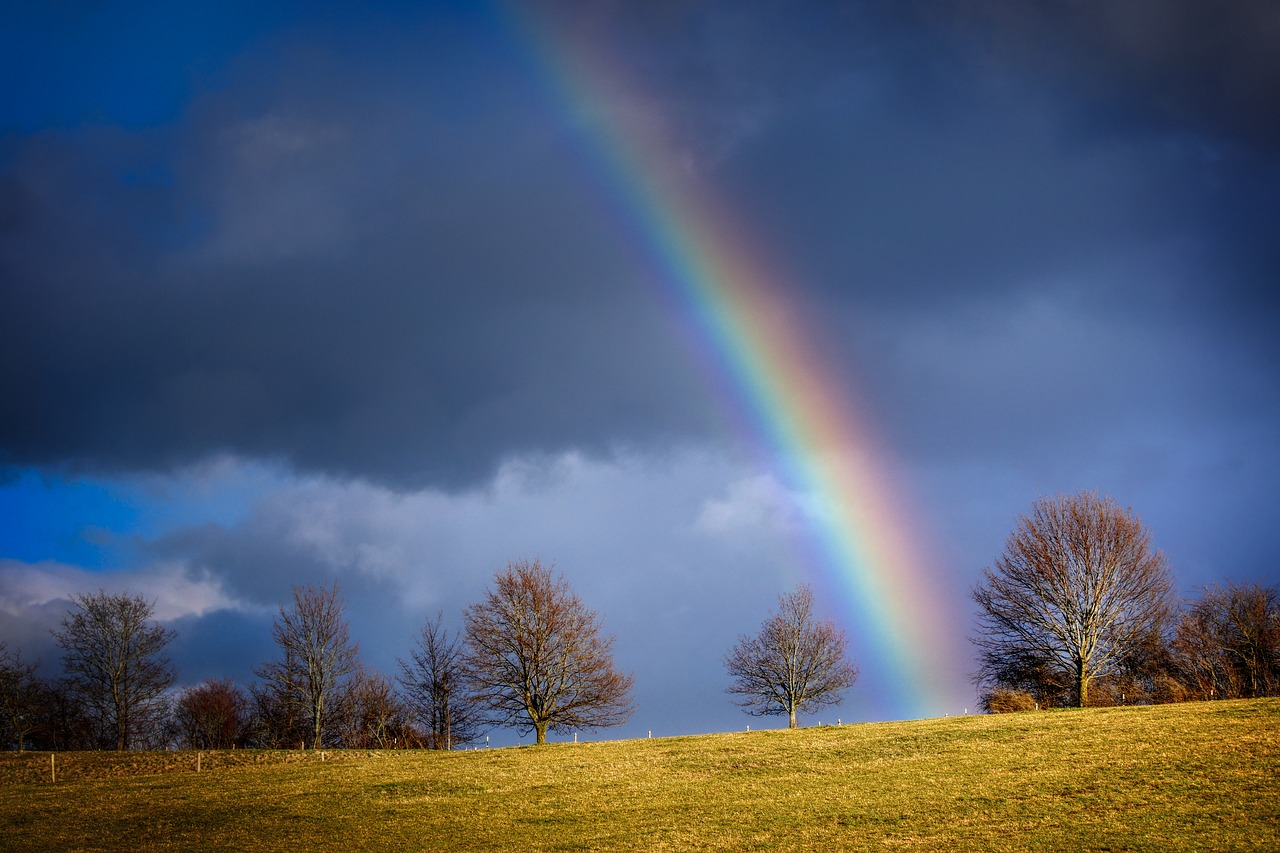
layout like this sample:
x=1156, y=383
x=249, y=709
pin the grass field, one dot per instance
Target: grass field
x=1200, y=776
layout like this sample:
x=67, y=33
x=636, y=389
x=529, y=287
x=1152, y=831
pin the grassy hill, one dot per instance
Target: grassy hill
x=1191, y=776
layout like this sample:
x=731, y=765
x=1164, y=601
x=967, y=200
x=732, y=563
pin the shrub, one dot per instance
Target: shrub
x=1003, y=701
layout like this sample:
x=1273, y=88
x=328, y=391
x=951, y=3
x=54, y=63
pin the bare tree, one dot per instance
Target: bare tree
x=434, y=681
x=1077, y=589
x=794, y=663
x=1145, y=676
x=1197, y=656
x=115, y=663
x=372, y=715
x=276, y=716
x=1250, y=635
x=24, y=697
x=1228, y=643
x=536, y=657
x=67, y=723
x=318, y=656
x=212, y=715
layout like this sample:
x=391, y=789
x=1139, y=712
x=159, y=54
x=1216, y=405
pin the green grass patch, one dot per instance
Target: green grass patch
x=1200, y=776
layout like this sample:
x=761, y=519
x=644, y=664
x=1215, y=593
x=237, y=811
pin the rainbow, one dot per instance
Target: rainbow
x=756, y=335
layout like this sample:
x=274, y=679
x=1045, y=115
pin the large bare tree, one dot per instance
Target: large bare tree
x=434, y=681
x=317, y=656
x=1077, y=589
x=115, y=663
x=794, y=663
x=536, y=657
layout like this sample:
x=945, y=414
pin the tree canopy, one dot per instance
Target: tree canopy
x=794, y=663
x=1076, y=591
x=317, y=656
x=537, y=658
x=115, y=663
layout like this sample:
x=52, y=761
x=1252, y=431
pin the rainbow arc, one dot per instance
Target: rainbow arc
x=757, y=338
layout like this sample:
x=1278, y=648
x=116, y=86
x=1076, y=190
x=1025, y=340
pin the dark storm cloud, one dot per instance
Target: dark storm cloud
x=400, y=291
x=1038, y=240
x=378, y=253
x=928, y=151
x=222, y=644
x=1207, y=68
x=1187, y=88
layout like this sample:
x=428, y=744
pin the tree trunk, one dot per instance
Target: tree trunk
x=1082, y=684
x=791, y=723
x=542, y=732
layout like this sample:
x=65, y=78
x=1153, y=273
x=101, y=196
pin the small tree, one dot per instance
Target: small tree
x=212, y=715
x=1076, y=592
x=536, y=657
x=372, y=714
x=115, y=664
x=318, y=656
x=794, y=663
x=276, y=716
x=434, y=681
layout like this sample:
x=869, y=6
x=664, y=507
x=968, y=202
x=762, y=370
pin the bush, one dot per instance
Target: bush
x=1002, y=701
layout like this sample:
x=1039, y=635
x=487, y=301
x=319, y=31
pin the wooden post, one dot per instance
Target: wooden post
x=53, y=767
x=197, y=762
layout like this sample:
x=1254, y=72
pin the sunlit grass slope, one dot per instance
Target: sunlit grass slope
x=1193, y=776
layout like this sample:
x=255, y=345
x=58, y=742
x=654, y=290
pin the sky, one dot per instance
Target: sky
x=696, y=301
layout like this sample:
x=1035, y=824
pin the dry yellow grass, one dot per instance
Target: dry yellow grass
x=1193, y=776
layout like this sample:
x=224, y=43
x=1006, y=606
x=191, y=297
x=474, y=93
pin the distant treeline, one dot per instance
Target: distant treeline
x=533, y=657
